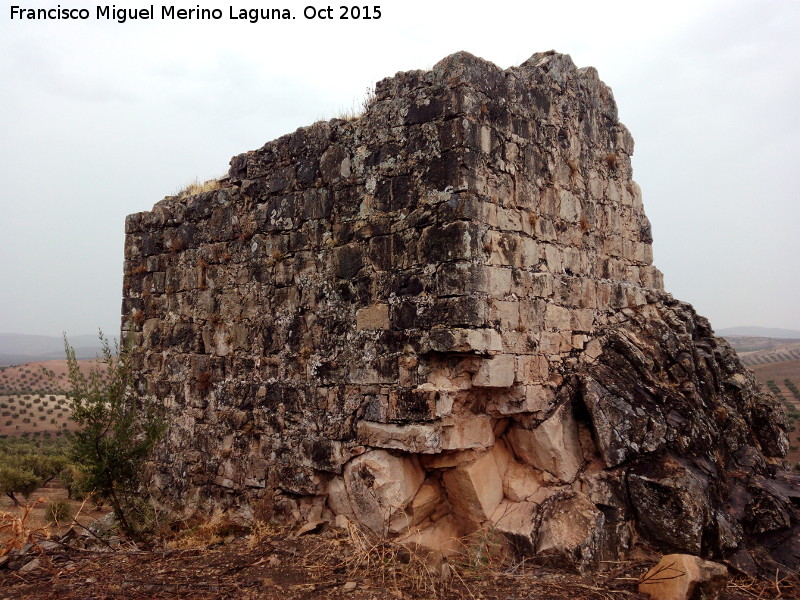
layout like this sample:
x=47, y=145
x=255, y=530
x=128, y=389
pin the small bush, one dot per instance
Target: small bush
x=58, y=511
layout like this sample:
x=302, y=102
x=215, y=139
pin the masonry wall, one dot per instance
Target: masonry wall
x=382, y=318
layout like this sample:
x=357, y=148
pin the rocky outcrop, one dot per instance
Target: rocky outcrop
x=442, y=318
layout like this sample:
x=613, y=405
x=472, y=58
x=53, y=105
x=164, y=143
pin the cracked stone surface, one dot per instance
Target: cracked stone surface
x=443, y=317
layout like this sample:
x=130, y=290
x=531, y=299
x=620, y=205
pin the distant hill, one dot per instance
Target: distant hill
x=760, y=332
x=18, y=348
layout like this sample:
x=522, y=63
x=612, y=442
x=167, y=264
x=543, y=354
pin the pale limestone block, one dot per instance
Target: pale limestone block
x=557, y=317
x=550, y=342
x=578, y=341
x=464, y=432
x=520, y=482
x=490, y=214
x=338, y=500
x=596, y=186
x=570, y=206
x=572, y=528
x=582, y=319
x=647, y=253
x=413, y=437
x=554, y=260
x=502, y=457
x=531, y=313
x=373, y=317
x=524, y=399
x=425, y=502
x=408, y=369
x=593, y=350
x=485, y=136
x=684, y=577
x=517, y=521
x=532, y=368
x=442, y=536
x=553, y=446
x=542, y=285
x=445, y=402
x=549, y=201
x=505, y=312
x=509, y=219
x=480, y=341
x=495, y=372
x=628, y=249
x=545, y=231
x=474, y=489
x=574, y=261
x=528, y=252
x=423, y=505
x=379, y=484
x=498, y=281
x=613, y=192
x=445, y=460
x=499, y=254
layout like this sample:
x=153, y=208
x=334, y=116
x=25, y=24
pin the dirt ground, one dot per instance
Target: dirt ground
x=273, y=565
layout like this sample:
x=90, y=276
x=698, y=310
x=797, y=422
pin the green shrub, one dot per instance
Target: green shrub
x=115, y=430
x=58, y=511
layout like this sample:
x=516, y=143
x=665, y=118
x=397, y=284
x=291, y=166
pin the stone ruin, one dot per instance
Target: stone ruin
x=441, y=318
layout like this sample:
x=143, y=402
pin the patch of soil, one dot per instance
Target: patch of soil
x=279, y=566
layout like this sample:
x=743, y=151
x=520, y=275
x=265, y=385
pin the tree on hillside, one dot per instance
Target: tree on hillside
x=17, y=480
x=26, y=466
x=116, y=429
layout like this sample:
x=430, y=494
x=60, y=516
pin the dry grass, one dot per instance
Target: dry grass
x=359, y=107
x=17, y=531
x=359, y=556
x=213, y=561
x=198, y=187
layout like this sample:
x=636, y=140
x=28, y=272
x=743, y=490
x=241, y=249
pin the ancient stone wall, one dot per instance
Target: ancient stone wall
x=443, y=316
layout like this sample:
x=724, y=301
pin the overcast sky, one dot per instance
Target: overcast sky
x=100, y=119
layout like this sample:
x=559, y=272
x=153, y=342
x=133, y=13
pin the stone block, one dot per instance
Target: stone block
x=378, y=485
x=524, y=399
x=442, y=536
x=553, y=446
x=373, y=317
x=474, y=489
x=570, y=206
x=479, y=341
x=498, y=281
x=451, y=242
x=495, y=372
x=532, y=369
x=463, y=432
x=413, y=437
x=517, y=522
x=684, y=577
x=505, y=314
x=412, y=405
x=554, y=259
x=557, y=317
x=520, y=483
x=445, y=460
x=572, y=532
x=426, y=501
